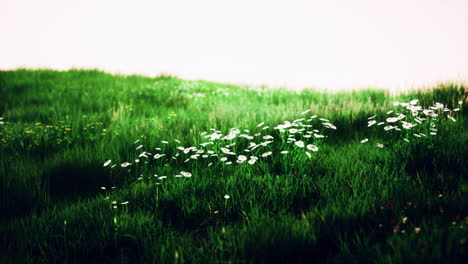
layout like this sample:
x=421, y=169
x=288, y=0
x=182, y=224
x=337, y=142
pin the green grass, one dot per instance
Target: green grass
x=345, y=203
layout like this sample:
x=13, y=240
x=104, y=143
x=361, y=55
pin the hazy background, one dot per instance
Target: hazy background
x=334, y=44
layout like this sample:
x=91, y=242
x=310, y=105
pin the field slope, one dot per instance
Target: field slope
x=100, y=168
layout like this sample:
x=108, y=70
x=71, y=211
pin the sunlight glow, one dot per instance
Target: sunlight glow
x=324, y=44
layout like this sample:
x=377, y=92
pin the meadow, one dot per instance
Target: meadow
x=101, y=168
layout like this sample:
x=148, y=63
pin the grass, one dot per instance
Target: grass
x=348, y=202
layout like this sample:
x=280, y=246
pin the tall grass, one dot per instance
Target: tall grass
x=345, y=203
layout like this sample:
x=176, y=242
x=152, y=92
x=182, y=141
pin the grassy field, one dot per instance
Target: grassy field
x=100, y=168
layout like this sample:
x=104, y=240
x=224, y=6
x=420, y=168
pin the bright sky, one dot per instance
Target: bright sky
x=312, y=43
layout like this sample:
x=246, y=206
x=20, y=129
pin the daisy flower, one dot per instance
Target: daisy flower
x=407, y=125
x=299, y=143
x=428, y=112
x=157, y=156
x=392, y=119
x=266, y=154
x=380, y=145
x=225, y=150
x=312, y=147
x=186, y=174
x=242, y=158
x=125, y=164
x=318, y=136
x=364, y=140
x=252, y=161
x=107, y=163
x=370, y=123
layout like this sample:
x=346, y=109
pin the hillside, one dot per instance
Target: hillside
x=101, y=168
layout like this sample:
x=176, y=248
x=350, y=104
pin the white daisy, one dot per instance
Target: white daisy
x=125, y=164
x=107, y=163
x=312, y=147
x=428, y=112
x=407, y=125
x=242, y=157
x=299, y=143
x=370, y=123
x=157, y=156
x=186, y=174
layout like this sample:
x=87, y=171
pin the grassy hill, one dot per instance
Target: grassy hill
x=204, y=172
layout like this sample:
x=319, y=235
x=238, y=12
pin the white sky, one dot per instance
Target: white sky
x=313, y=43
